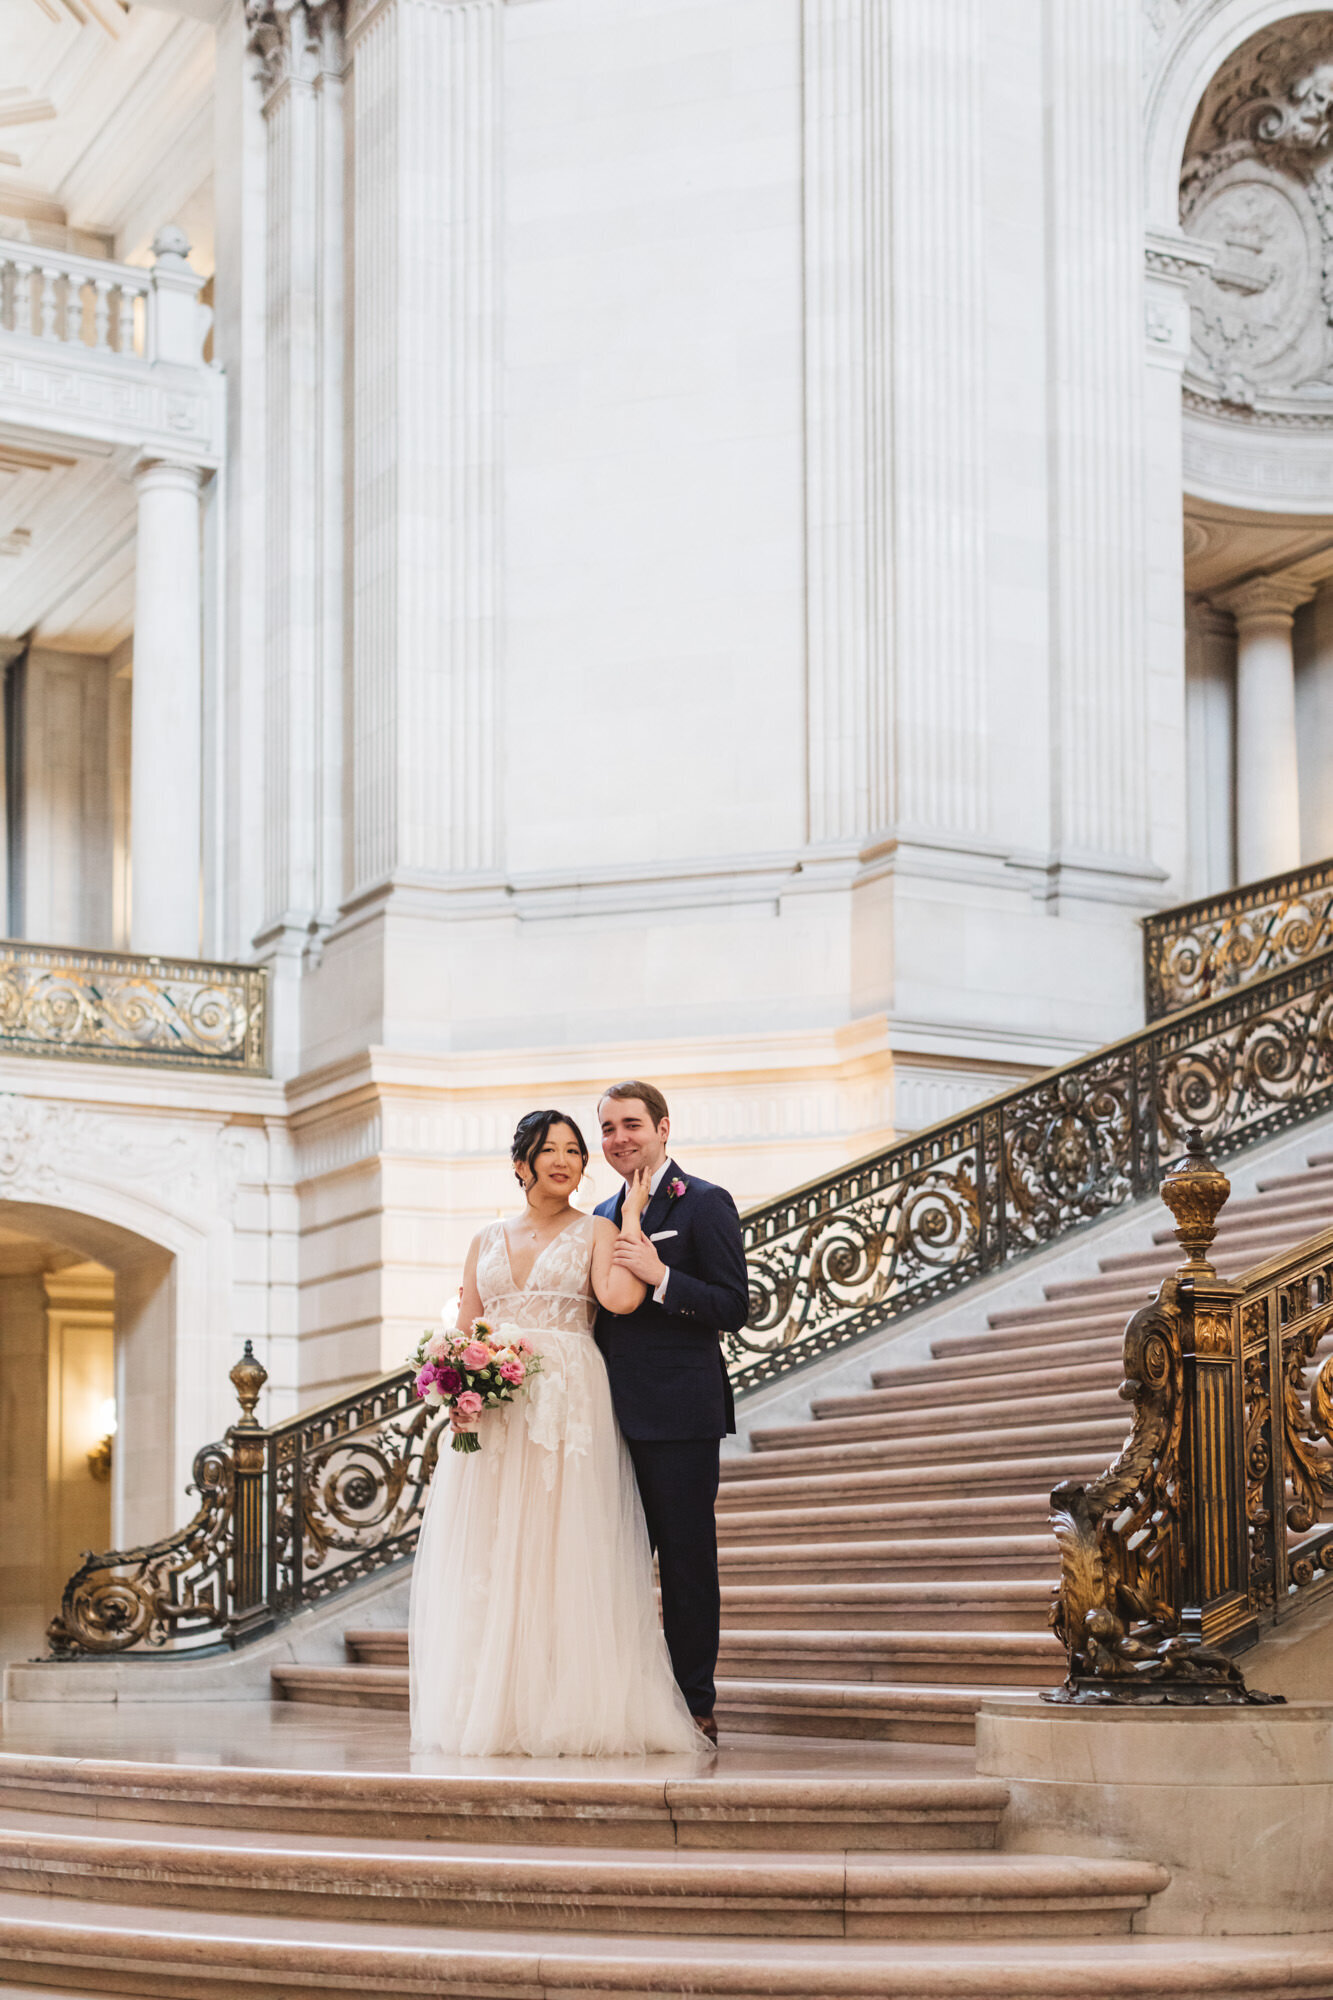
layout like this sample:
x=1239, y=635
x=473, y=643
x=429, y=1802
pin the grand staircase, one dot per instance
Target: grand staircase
x=888, y=1563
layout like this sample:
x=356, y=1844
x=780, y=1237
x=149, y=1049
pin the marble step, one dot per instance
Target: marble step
x=98, y=1949
x=821, y=1446
x=1012, y=1412
x=1035, y=1329
x=1007, y=1604
x=1317, y=1174
x=568, y=1807
x=739, y=1892
x=950, y=1658
x=923, y=1520
x=869, y=1561
x=1019, y=1659
x=918, y=1709
x=774, y=1480
x=969, y=1368
x=939, y=1379
x=1306, y=1204
x=1102, y=1293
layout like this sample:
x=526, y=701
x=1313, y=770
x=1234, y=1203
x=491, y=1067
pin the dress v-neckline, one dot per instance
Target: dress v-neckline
x=509, y=1257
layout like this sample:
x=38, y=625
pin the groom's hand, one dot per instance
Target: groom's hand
x=641, y=1260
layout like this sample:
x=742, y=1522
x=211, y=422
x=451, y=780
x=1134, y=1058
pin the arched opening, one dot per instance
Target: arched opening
x=1255, y=175
x=85, y=1409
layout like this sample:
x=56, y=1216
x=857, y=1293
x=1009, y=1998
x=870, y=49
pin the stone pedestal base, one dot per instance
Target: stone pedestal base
x=1237, y=1803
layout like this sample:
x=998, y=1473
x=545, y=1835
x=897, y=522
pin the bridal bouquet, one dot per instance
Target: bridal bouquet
x=472, y=1372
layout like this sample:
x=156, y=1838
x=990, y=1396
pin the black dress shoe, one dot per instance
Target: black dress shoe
x=706, y=1727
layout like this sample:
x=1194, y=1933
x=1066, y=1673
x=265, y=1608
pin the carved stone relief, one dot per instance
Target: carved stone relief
x=1258, y=185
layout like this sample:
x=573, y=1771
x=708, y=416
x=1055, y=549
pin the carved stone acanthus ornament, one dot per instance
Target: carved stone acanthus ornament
x=1258, y=184
x=296, y=41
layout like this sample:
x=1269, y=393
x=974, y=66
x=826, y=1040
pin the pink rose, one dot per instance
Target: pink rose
x=512, y=1371
x=449, y=1380
x=475, y=1355
x=469, y=1404
x=523, y=1346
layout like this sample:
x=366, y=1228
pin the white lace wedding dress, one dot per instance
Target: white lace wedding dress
x=534, y=1625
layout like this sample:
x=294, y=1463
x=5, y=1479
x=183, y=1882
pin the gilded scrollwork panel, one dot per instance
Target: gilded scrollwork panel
x=112, y=1007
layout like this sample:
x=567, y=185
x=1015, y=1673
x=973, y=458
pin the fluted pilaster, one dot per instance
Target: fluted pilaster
x=895, y=374
x=848, y=550
x=1095, y=253
x=425, y=83
x=301, y=54
x=937, y=73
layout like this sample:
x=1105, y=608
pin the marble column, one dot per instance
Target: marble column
x=425, y=94
x=165, y=769
x=1210, y=721
x=1315, y=698
x=1268, y=818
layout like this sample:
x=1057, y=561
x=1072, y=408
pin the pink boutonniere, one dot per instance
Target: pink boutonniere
x=675, y=1189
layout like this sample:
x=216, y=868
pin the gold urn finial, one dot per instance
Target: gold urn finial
x=248, y=1378
x=1195, y=1191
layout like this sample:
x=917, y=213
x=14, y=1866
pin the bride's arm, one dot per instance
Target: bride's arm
x=617, y=1289
x=469, y=1298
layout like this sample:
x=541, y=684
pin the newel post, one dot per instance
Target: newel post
x=249, y=1451
x=1215, y=1601
x=1216, y=1608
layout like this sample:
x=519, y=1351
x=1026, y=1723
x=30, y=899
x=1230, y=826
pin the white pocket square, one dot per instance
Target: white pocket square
x=660, y=1235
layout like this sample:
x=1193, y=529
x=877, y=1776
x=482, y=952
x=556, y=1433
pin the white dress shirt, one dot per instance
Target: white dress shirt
x=654, y=1184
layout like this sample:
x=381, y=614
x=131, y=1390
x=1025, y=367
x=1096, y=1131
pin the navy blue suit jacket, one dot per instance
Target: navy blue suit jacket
x=668, y=1375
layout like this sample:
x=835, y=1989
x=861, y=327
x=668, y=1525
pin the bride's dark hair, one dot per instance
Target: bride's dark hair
x=531, y=1134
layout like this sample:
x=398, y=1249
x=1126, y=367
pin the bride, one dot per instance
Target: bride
x=533, y=1620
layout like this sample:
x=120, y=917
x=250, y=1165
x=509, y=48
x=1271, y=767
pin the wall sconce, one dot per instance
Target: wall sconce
x=99, y=1458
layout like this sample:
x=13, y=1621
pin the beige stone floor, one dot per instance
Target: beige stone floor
x=291, y=1736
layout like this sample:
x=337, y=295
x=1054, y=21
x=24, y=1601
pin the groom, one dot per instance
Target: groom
x=669, y=1381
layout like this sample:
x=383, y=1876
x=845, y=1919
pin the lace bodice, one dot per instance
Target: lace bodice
x=558, y=1294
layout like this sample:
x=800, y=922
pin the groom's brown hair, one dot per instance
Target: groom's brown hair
x=648, y=1094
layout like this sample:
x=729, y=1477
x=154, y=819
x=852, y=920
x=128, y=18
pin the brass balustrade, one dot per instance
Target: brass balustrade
x=851, y=1253
x=295, y=1512
x=288, y=1514
x=1216, y=1520
x=102, y=1006
x=1200, y=950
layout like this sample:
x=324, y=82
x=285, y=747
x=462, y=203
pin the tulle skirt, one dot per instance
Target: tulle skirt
x=534, y=1628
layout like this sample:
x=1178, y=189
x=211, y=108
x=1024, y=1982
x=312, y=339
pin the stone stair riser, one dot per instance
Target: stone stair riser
x=723, y=1895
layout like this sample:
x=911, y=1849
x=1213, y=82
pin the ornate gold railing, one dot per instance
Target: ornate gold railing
x=849, y=1254
x=103, y=1006
x=287, y=1515
x=1217, y=1518
x=1200, y=950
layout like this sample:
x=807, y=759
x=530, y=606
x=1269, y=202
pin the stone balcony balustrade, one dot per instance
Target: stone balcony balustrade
x=113, y=352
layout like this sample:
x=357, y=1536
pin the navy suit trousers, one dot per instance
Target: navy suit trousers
x=678, y=1486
